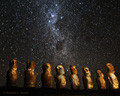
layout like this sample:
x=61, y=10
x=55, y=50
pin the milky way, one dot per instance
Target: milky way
x=80, y=32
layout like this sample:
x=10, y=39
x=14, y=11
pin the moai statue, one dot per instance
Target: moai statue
x=88, y=83
x=30, y=75
x=114, y=83
x=61, y=79
x=74, y=79
x=100, y=80
x=47, y=78
x=12, y=74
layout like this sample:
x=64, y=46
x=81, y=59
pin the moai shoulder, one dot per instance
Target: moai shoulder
x=113, y=81
x=61, y=79
x=74, y=79
x=47, y=78
x=30, y=75
x=100, y=80
x=12, y=74
x=88, y=83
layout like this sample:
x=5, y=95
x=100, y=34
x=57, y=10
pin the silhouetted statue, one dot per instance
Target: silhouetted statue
x=113, y=81
x=30, y=75
x=12, y=74
x=88, y=83
x=74, y=79
x=47, y=78
x=61, y=79
x=100, y=80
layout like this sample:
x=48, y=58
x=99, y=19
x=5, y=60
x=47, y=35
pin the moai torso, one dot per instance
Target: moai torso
x=12, y=74
x=100, y=80
x=61, y=79
x=74, y=80
x=88, y=83
x=113, y=81
x=30, y=75
x=47, y=78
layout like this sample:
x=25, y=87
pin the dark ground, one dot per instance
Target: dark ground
x=56, y=92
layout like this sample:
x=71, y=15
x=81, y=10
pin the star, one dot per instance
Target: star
x=66, y=32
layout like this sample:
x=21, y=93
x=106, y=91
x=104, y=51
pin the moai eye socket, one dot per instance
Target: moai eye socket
x=86, y=70
x=108, y=64
x=60, y=68
x=46, y=66
x=12, y=62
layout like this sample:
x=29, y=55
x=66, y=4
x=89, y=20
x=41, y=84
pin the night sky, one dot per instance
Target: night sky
x=85, y=33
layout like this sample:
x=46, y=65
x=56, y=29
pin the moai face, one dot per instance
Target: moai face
x=86, y=71
x=60, y=69
x=99, y=73
x=47, y=67
x=13, y=64
x=73, y=69
x=31, y=65
x=110, y=67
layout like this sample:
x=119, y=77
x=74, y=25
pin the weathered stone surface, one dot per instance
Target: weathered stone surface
x=61, y=79
x=30, y=75
x=74, y=80
x=88, y=83
x=47, y=78
x=100, y=80
x=113, y=81
x=12, y=74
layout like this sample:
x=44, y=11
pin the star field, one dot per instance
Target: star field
x=68, y=32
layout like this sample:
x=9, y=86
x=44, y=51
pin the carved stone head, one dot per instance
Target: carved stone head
x=73, y=69
x=13, y=64
x=99, y=73
x=31, y=65
x=86, y=71
x=110, y=67
x=60, y=69
x=47, y=67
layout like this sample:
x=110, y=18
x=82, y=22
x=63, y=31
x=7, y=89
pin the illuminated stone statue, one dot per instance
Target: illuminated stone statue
x=30, y=75
x=114, y=83
x=88, y=83
x=61, y=79
x=74, y=80
x=47, y=78
x=12, y=74
x=100, y=80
